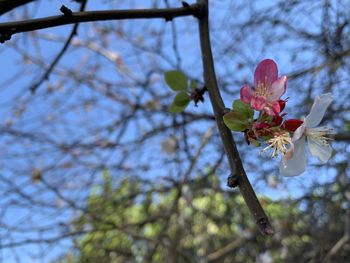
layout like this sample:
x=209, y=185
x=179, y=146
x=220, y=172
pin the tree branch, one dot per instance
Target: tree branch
x=10, y=28
x=341, y=242
x=219, y=254
x=238, y=173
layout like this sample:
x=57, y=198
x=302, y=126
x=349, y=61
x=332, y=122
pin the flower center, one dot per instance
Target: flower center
x=262, y=90
x=320, y=135
x=279, y=143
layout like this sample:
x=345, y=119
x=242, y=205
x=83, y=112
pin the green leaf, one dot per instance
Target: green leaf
x=180, y=102
x=182, y=99
x=254, y=142
x=244, y=108
x=176, y=80
x=263, y=118
x=236, y=121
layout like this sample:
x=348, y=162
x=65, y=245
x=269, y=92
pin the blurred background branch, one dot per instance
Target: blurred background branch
x=94, y=168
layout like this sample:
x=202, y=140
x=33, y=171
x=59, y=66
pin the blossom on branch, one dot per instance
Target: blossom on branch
x=268, y=89
x=317, y=138
x=268, y=128
x=280, y=142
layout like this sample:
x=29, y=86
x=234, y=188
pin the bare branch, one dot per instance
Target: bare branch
x=236, y=166
x=336, y=248
x=10, y=28
x=230, y=248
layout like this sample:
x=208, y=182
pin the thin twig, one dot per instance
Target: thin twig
x=10, y=28
x=345, y=239
x=335, y=249
x=219, y=254
x=46, y=75
x=236, y=166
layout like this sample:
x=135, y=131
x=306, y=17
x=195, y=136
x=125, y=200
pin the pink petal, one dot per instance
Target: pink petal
x=265, y=73
x=277, y=88
x=246, y=93
x=258, y=103
x=268, y=111
x=272, y=109
x=260, y=125
x=276, y=107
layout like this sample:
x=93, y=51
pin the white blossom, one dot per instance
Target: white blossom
x=317, y=138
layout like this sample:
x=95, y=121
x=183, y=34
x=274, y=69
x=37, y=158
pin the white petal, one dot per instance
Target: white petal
x=295, y=165
x=322, y=151
x=318, y=110
x=299, y=132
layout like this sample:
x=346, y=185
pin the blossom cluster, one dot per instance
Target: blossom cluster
x=259, y=115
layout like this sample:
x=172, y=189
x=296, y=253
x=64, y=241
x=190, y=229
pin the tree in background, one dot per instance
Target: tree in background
x=203, y=223
x=104, y=108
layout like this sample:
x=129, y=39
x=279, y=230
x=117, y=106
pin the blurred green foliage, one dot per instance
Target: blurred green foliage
x=197, y=221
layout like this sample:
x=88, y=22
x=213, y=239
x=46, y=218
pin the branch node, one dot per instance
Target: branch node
x=168, y=18
x=264, y=226
x=200, y=10
x=33, y=89
x=197, y=95
x=4, y=37
x=197, y=10
x=185, y=4
x=225, y=111
x=66, y=11
x=232, y=181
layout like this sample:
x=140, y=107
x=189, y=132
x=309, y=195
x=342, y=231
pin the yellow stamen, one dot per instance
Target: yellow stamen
x=279, y=143
x=262, y=89
x=319, y=134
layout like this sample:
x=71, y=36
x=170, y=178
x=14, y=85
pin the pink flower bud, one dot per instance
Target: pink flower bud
x=292, y=124
x=282, y=104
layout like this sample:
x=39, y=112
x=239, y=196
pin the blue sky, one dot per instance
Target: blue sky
x=38, y=107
